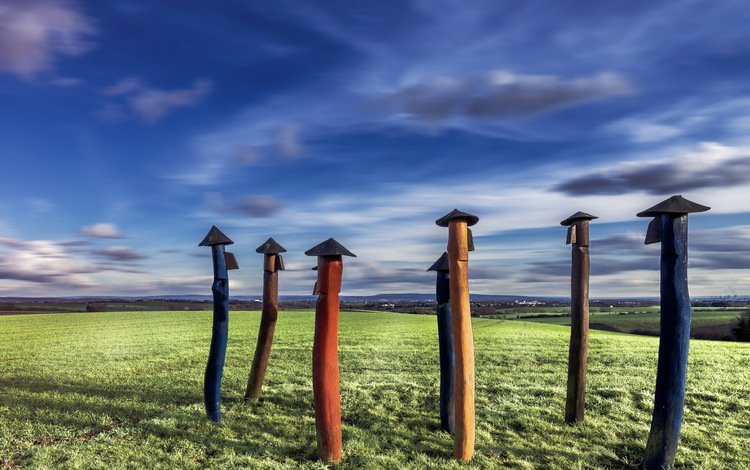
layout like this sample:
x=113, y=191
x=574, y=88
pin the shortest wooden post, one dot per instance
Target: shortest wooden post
x=326, y=391
x=272, y=264
x=578, y=353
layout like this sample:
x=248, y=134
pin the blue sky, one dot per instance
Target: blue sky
x=129, y=128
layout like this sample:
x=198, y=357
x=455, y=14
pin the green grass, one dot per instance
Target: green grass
x=706, y=323
x=124, y=390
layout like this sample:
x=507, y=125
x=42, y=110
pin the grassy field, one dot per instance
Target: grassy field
x=707, y=323
x=123, y=390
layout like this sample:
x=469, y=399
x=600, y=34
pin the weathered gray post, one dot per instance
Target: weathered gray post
x=272, y=264
x=578, y=354
x=669, y=227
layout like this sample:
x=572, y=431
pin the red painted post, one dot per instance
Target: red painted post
x=326, y=392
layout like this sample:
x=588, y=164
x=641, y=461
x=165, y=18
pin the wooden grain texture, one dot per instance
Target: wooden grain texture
x=463, y=341
x=674, y=341
x=579, y=323
x=326, y=392
x=267, y=326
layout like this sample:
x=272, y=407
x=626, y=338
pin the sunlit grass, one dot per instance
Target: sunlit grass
x=124, y=390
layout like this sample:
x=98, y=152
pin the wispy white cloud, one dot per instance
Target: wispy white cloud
x=35, y=33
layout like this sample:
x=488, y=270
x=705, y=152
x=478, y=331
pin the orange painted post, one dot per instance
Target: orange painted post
x=326, y=392
x=272, y=263
x=459, y=241
x=578, y=352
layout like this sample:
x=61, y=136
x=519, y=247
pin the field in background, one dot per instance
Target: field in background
x=124, y=390
x=707, y=323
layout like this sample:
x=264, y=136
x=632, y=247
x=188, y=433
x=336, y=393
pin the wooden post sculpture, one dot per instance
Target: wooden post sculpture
x=670, y=228
x=445, y=342
x=272, y=263
x=325, y=365
x=222, y=262
x=459, y=239
x=578, y=354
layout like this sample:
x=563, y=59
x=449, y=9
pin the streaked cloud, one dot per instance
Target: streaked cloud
x=102, y=230
x=119, y=253
x=34, y=34
x=710, y=166
x=248, y=205
x=149, y=104
x=502, y=94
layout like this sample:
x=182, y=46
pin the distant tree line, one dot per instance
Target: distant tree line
x=742, y=330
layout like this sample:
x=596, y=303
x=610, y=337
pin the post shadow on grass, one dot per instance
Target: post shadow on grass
x=578, y=352
x=222, y=262
x=670, y=227
x=445, y=341
x=272, y=264
x=325, y=364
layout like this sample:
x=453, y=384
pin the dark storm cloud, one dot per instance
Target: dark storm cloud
x=660, y=178
x=502, y=94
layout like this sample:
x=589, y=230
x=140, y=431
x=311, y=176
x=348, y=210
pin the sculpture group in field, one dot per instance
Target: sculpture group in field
x=455, y=337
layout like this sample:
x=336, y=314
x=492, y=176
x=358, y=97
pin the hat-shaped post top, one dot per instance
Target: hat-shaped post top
x=329, y=247
x=441, y=264
x=457, y=214
x=576, y=217
x=215, y=237
x=270, y=247
x=674, y=205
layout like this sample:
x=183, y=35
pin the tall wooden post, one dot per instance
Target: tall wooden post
x=445, y=342
x=326, y=392
x=222, y=262
x=272, y=263
x=578, y=354
x=463, y=338
x=670, y=228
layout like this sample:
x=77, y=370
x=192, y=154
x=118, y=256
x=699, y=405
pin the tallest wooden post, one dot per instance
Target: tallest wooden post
x=459, y=238
x=670, y=228
x=578, y=354
x=326, y=391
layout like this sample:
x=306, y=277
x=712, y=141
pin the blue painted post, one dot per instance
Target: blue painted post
x=445, y=342
x=220, y=288
x=669, y=227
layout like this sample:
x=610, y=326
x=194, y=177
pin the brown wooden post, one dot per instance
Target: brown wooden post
x=326, y=392
x=272, y=263
x=463, y=338
x=578, y=353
